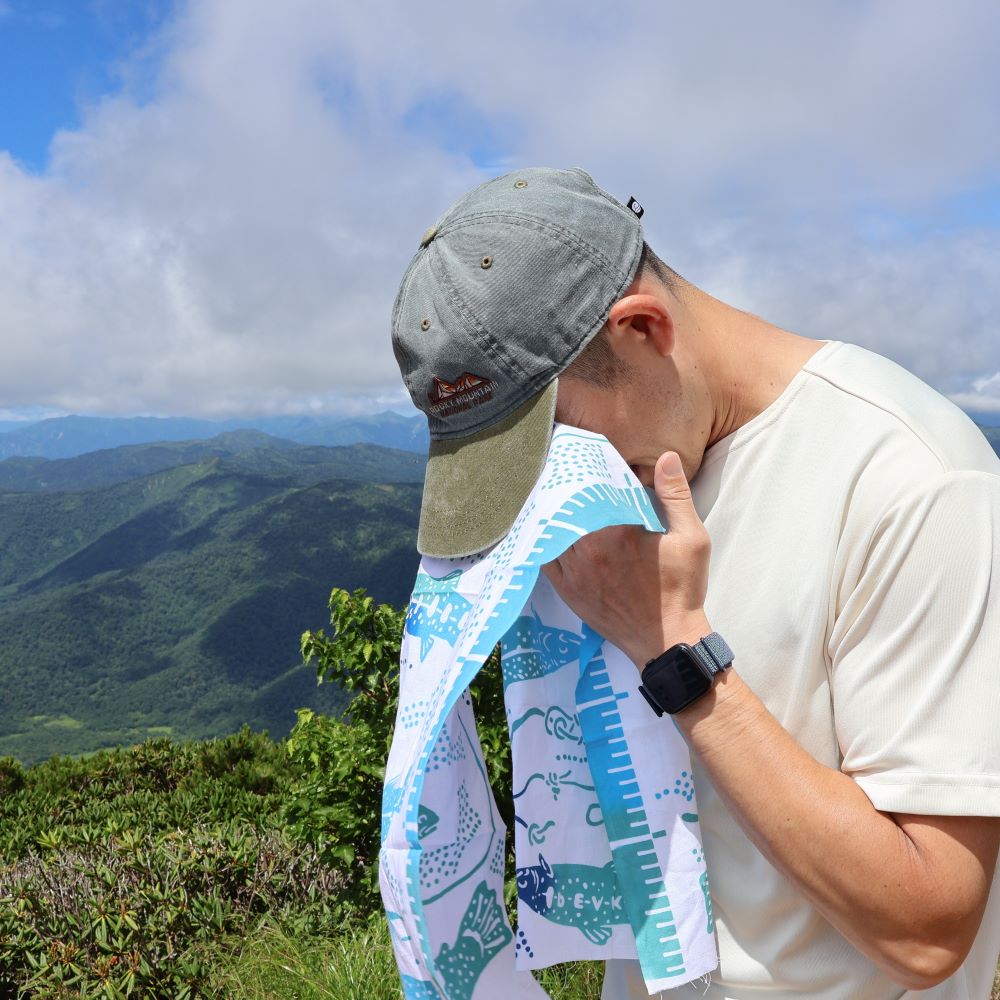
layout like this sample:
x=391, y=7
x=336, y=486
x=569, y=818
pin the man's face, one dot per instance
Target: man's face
x=628, y=414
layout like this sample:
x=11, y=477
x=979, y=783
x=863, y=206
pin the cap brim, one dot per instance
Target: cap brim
x=475, y=486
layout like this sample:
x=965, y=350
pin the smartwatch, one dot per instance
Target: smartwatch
x=681, y=675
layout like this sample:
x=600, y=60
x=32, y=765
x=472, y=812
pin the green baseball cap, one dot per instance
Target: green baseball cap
x=505, y=290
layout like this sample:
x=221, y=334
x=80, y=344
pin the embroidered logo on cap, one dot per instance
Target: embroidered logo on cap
x=466, y=391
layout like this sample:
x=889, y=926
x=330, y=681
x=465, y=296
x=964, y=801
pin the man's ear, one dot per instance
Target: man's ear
x=639, y=323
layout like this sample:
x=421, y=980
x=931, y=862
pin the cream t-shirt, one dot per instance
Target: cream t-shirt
x=855, y=572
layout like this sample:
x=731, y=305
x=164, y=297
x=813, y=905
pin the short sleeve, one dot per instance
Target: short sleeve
x=915, y=653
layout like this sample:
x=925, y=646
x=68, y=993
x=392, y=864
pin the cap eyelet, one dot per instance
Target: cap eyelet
x=486, y=263
x=425, y=324
x=521, y=183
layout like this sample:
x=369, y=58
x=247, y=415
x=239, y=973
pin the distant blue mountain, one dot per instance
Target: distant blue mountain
x=67, y=437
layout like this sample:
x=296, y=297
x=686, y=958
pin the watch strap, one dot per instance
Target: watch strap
x=714, y=653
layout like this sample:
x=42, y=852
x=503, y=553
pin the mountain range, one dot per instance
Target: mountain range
x=162, y=589
x=66, y=437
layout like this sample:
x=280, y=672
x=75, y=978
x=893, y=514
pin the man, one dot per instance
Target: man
x=841, y=531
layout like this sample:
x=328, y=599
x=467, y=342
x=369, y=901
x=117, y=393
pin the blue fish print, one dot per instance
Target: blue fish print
x=427, y=821
x=482, y=933
x=581, y=896
x=531, y=649
x=392, y=799
x=418, y=989
x=436, y=611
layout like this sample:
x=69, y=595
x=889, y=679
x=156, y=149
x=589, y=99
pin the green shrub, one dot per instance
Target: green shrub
x=119, y=871
x=128, y=914
x=154, y=786
x=336, y=803
x=11, y=776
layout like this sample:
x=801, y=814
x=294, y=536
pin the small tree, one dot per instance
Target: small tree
x=337, y=803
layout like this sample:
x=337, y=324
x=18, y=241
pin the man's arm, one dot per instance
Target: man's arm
x=907, y=891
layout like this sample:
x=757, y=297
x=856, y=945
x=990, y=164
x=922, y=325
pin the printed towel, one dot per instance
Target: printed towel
x=607, y=843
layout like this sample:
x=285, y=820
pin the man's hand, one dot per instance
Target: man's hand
x=907, y=891
x=642, y=590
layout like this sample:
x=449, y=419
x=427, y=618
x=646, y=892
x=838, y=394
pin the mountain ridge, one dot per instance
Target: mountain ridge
x=73, y=435
x=174, y=601
x=244, y=448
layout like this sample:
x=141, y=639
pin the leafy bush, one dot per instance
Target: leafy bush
x=154, y=786
x=336, y=804
x=118, y=872
x=128, y=914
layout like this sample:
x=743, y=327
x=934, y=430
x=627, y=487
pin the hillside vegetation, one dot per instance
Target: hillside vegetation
x=148, y=589
x=168, y=604
x=149, y=870
x=235, y=868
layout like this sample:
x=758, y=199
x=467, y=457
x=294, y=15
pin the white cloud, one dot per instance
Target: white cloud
x=984, y=397
x=230, y=238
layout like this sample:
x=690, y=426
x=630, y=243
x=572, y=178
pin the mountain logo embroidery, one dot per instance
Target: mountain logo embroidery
x=466, y=391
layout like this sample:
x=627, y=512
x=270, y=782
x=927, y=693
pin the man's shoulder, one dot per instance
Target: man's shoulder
x=893, y=417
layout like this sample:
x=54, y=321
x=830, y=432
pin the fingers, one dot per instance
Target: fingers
x=674, y=493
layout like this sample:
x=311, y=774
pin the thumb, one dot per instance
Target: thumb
x=672, y=490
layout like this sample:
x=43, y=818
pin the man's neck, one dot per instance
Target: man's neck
x=747, y=362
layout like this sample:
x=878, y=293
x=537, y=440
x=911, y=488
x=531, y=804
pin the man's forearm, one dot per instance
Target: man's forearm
x=909, y=891
x=817, y=827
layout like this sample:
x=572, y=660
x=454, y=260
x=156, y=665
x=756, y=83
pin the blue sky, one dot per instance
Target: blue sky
x=206, y=206
x=59, y=56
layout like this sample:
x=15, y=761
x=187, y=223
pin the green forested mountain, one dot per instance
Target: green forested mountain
x=172, y=603
x=161, y=589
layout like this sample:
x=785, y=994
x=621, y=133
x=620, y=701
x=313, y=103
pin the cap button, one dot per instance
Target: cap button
x=428, y=236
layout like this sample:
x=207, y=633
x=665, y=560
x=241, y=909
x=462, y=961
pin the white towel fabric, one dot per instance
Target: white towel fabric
x=608, y=848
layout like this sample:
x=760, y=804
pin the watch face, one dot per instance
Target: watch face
x=676, y=678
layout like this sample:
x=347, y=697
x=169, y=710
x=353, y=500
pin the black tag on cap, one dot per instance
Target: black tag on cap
x=634, y=206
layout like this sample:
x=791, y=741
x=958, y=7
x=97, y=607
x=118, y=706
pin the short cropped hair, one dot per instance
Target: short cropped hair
x=597, y=363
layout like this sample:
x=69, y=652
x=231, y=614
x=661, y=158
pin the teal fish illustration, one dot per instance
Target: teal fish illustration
x=481, y=935
x=392, y=799
x=418, y=989
x=427, y=821
x=582, y=896
x=436, y=611
x=531, y=649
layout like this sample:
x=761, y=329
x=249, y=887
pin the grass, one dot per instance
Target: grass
x=271, y=964
x=357, y=966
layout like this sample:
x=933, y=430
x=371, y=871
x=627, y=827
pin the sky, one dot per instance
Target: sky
x=206, y=207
